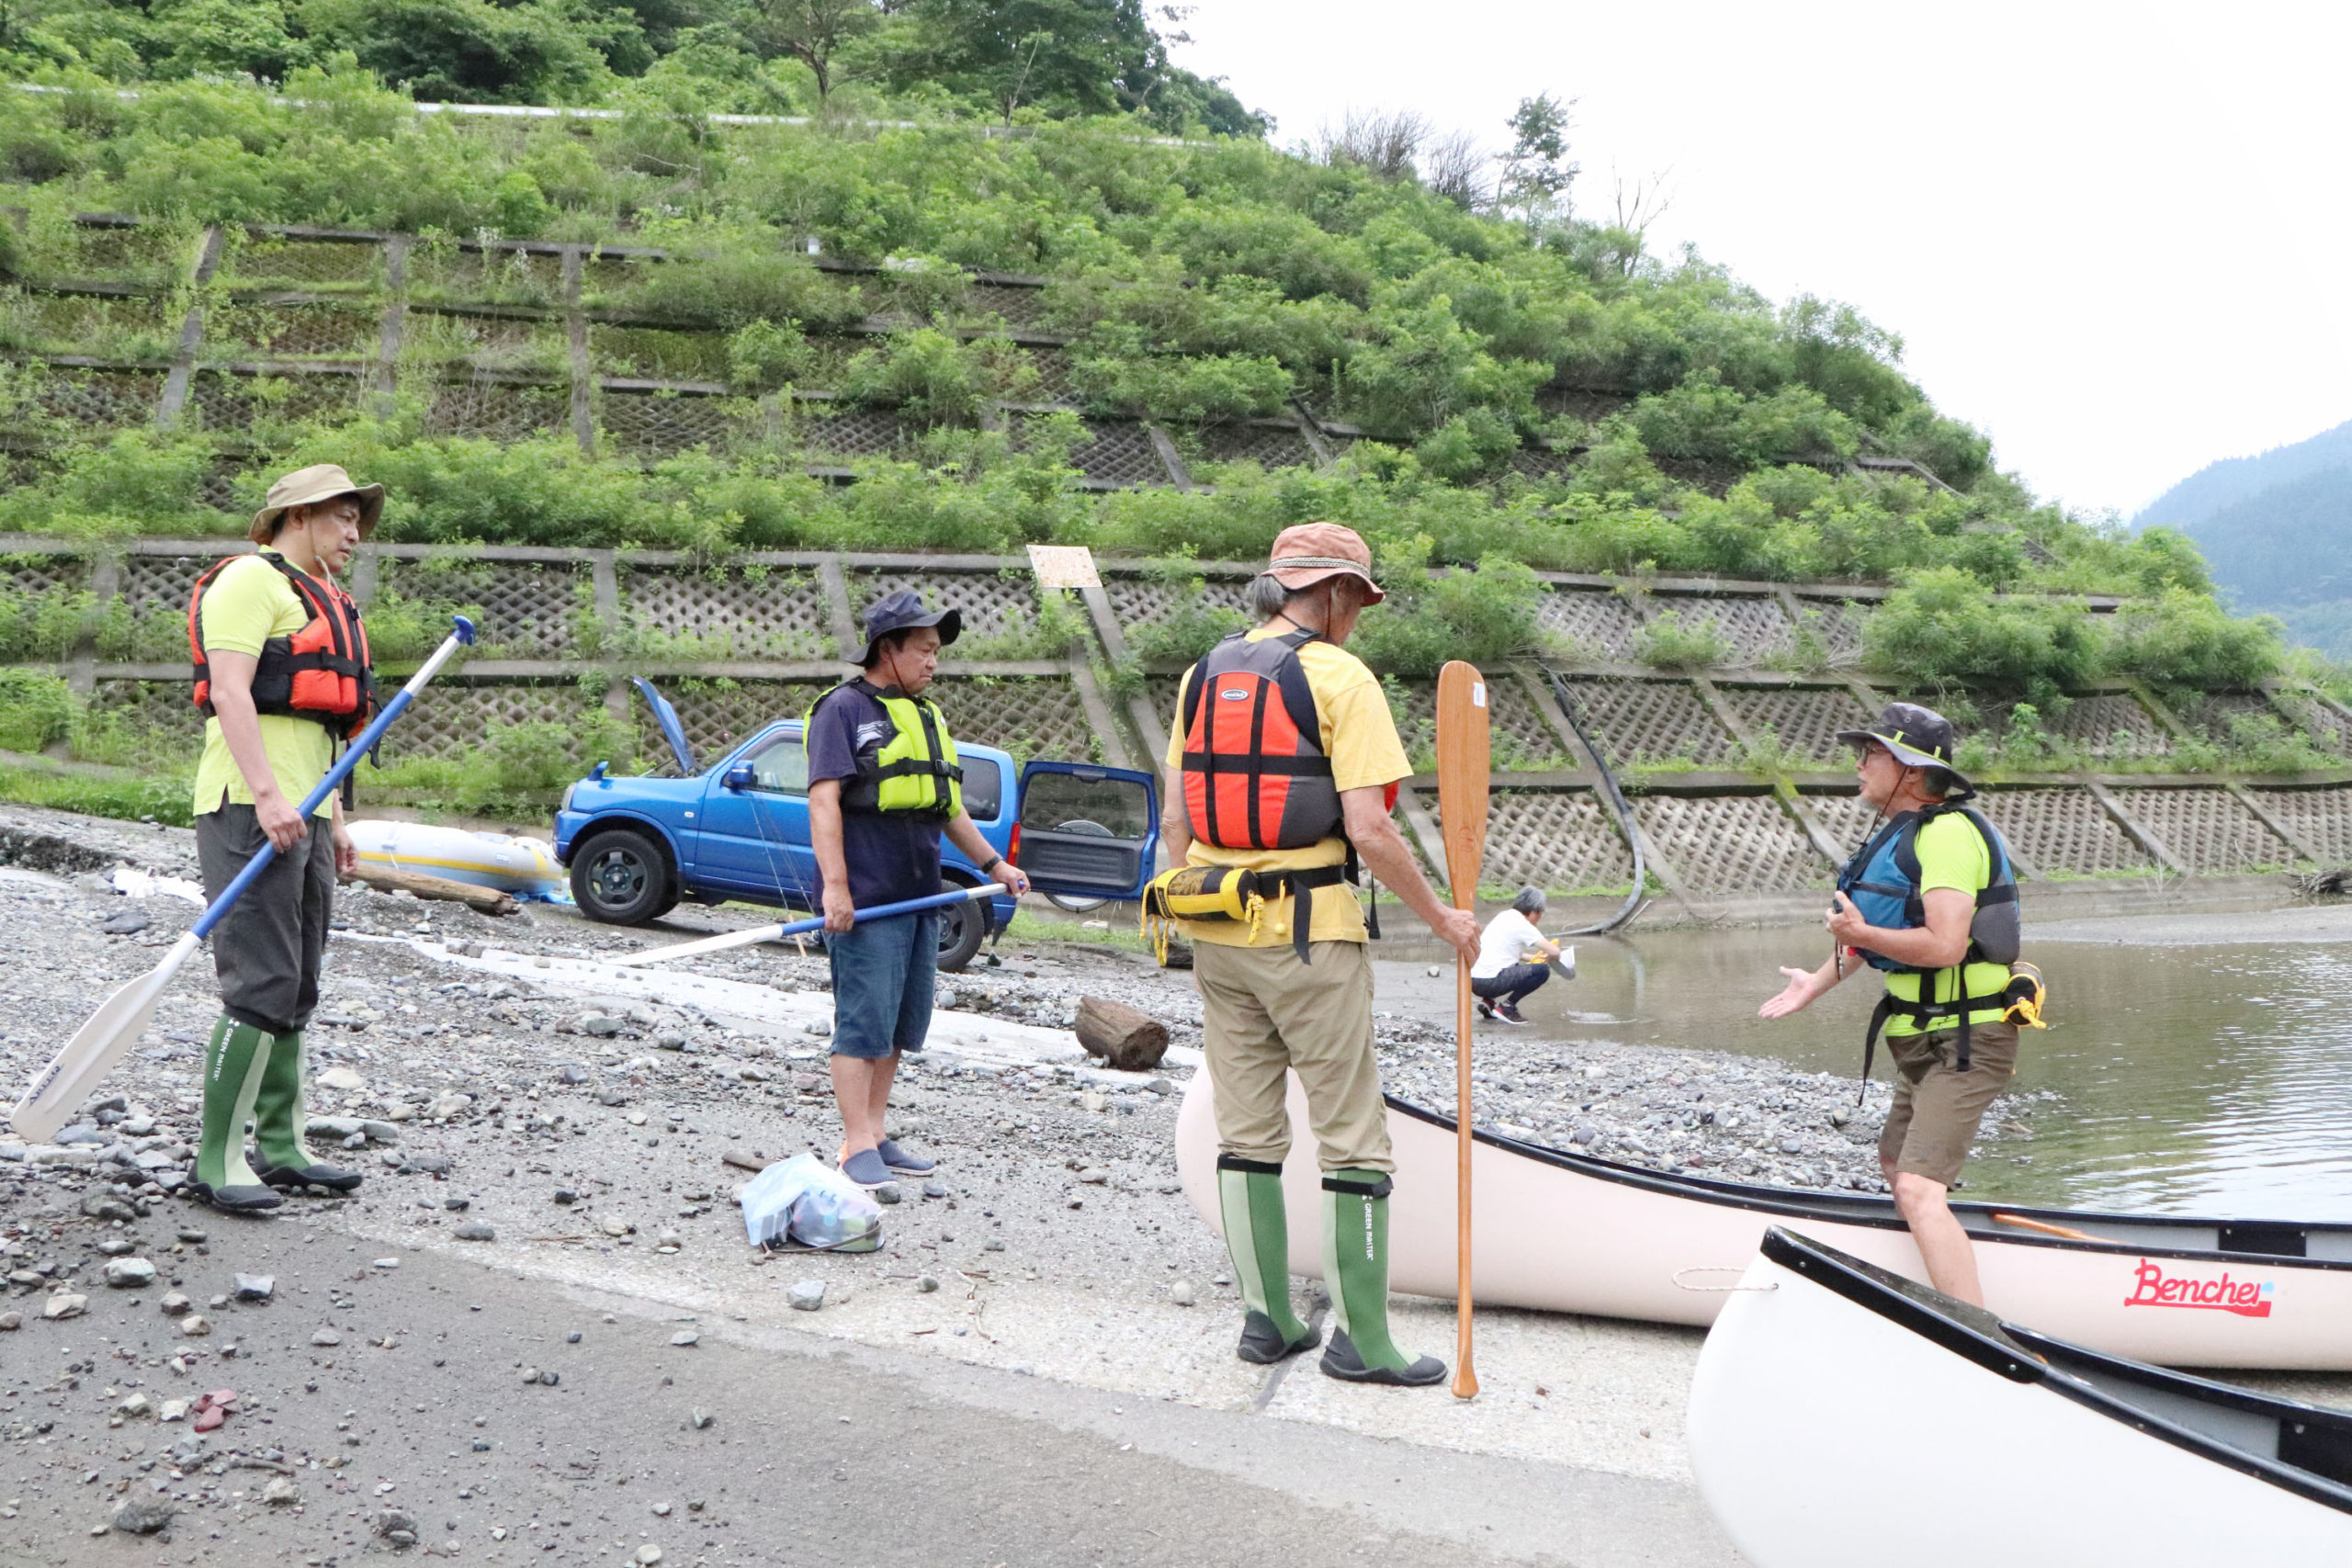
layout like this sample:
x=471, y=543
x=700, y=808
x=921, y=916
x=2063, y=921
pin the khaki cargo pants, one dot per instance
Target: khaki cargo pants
x=1265, y=1014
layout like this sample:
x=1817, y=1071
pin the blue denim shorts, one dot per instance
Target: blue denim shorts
x=883, y=975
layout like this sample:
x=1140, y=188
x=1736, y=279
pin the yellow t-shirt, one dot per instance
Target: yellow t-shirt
x=1360, y=737
x=247, y=605
x=1952, y=853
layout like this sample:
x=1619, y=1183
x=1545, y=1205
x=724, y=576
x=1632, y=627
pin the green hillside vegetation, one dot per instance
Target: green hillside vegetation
x=1686, y=423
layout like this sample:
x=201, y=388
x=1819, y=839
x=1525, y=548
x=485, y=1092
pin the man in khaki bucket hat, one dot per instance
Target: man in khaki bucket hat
x=283, y=679
x=314, y=486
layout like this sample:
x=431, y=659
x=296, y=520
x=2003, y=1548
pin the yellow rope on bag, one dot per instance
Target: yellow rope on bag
x=1199, y=892
x=2025, y=997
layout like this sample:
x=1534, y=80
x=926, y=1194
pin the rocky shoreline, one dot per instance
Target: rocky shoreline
x=400, y=1040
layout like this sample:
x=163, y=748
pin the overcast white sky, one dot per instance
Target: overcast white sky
x=2114, y=236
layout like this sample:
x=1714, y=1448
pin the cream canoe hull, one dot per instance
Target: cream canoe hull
x=1820, y=1427
x=1559, y=1232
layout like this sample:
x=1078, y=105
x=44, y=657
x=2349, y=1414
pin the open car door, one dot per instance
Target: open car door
x=1089, y=831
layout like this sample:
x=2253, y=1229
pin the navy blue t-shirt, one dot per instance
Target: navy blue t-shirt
x=891, y=855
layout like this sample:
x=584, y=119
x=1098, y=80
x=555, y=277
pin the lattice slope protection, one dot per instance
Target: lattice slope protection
x=448, y=717
x=1556, y=839
x=661, y=424
x=525, y=608
x=1036, y=716
x=2320, y=818
x=1732, y=843
x=1521, y=738
x=2209, y=830
x=1591, y=624
x=1755, y=630
x=989, y=600
x=716, y=715
x=1138, y=602
x=1648, y=722
x=775, y=614
x=2063, y=830
x=1806, y=718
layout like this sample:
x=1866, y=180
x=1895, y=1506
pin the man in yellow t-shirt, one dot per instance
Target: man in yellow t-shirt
x=1903, y=762
x=1252, y=767
x=254, y=621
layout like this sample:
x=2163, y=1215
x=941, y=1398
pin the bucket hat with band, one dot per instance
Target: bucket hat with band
x=1917, y=737
x=306, y=487
x=1305, y=555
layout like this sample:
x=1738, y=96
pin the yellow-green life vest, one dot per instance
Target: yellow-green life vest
x=915, y=770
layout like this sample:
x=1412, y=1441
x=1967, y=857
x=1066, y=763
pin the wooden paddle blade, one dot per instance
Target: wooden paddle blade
x=1463, y=759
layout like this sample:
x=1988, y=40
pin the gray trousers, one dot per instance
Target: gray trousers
x=267, y=949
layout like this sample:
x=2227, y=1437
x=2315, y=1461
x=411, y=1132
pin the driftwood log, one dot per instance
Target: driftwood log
x=1130, y=1040
x=488, y=900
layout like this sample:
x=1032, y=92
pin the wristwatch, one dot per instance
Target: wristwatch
x=990, y=869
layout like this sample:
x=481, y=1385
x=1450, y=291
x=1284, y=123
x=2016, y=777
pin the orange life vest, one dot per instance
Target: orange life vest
x=1255, y=773
x=322, y=672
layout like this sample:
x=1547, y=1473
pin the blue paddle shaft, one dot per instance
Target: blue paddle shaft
x=883, y=911
x=462, y=635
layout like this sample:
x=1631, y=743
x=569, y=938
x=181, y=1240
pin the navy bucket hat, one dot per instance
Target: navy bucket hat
x=902, y=609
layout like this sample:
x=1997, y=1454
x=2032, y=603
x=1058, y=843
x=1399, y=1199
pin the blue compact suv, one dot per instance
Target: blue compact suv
x=739, y=830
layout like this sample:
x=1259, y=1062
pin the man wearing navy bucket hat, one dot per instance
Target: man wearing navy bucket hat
x=883, y=785
x=1931, y=899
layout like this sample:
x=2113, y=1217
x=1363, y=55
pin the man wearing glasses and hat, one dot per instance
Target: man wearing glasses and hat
x=883, y=785
x=282, y=678
x=1283, y=766
x=1931, y=900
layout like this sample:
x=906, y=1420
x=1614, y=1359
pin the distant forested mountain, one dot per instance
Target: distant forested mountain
x=2217, y=486
x=2277, y=531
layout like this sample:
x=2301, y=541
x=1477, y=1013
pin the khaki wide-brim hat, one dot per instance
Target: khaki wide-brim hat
x=321, y=481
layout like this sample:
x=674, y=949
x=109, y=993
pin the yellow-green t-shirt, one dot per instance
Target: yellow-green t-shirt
x=1360, y=737
x=247, y=605
x=1952, y=853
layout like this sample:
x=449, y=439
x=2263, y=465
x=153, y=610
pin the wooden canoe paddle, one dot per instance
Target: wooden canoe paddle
x=1464, y=757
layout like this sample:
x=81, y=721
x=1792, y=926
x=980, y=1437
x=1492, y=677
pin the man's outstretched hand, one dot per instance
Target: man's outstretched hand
x=1803, y=986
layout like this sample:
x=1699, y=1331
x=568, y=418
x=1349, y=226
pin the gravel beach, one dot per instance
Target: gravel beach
x=593, y=1143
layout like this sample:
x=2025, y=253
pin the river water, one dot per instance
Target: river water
x=2200, y=1064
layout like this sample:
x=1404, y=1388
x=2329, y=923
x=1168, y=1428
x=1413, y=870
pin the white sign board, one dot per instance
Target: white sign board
x=1064, y=566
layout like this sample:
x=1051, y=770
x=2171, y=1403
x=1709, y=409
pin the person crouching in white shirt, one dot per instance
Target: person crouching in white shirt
x=1503, y=977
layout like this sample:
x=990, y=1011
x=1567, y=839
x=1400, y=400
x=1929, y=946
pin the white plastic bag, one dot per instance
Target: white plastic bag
x=803, y=1202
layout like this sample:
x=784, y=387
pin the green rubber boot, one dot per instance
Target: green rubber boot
x=280, y=1159
x=1257, y=1235
x=234, y=1063
x=1355, y=1265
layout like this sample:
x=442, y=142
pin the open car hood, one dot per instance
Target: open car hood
x=672, y=730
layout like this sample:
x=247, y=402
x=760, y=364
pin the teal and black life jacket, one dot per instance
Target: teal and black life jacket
x=1883, y=881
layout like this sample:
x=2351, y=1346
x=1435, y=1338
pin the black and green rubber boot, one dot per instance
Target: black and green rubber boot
x=279, y=1158
x=234, y=1063
x=1355, y=1265
x=1257, y=1234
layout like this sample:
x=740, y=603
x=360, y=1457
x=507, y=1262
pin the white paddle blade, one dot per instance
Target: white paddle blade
x=705, y=944
x=59, y=1088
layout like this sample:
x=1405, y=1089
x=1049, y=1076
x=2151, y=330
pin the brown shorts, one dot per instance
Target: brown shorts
x=1936, y=1108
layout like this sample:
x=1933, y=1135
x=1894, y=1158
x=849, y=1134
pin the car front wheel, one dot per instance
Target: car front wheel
x=961, y=927
x=623, y=877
